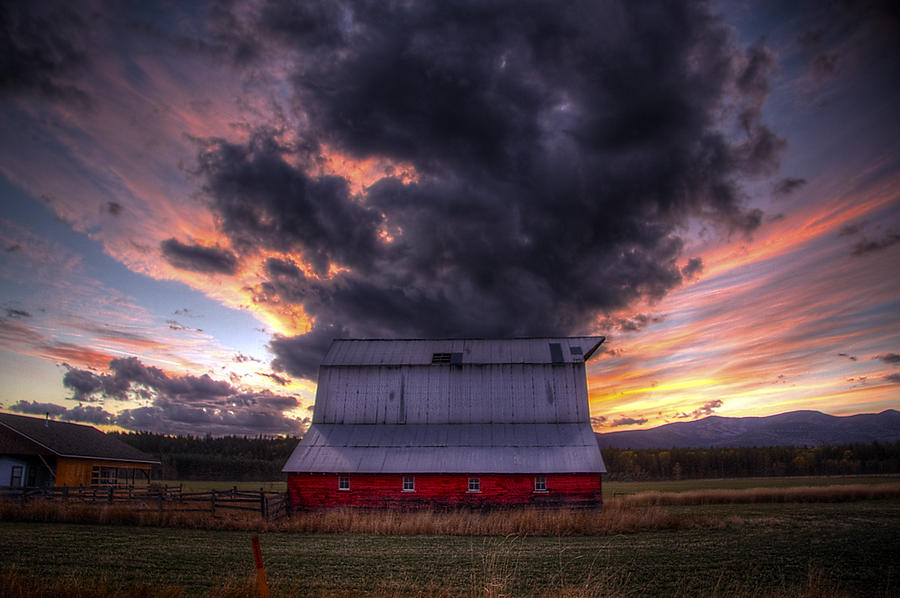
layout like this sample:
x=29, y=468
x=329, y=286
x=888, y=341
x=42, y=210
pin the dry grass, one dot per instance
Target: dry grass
x=616, y=518
x=842, y=493
x=631, y=514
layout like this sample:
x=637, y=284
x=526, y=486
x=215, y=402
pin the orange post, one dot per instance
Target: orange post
x=260, y=570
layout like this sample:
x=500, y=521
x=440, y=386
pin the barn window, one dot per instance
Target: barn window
x=15, y=478
x=540, y=484
x=474, y=484
x=438, y=358
x=343, y=482
x=409, y=483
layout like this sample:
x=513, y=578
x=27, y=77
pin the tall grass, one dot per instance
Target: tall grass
x=630, y=514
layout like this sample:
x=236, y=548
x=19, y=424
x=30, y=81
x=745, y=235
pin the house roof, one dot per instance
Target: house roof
x=545, y=350
x=447, y=448
x=65, y=439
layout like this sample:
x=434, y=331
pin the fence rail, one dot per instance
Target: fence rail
x=270, y=505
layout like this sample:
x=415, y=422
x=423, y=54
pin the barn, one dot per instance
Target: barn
x=467, y=422
x=44, y=452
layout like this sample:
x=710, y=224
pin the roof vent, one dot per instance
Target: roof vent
x=439, y=358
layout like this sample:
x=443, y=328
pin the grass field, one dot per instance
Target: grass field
x=784, y=549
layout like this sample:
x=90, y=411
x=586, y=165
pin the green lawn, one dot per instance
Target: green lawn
x=770, y=547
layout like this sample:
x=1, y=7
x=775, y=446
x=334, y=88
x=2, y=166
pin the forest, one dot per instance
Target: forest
x=764, y=461
x=260, y=458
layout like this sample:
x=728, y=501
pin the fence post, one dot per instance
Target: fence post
x=261, y=583
x=212, y=503
x=262, y=505
x=110, y=495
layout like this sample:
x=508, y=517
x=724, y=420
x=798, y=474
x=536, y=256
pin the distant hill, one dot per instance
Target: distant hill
x=795, y=428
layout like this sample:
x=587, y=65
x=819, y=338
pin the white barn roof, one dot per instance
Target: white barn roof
x=442, y=406
x=448, y=448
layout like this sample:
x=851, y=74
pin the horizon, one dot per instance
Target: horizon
x=197, y=199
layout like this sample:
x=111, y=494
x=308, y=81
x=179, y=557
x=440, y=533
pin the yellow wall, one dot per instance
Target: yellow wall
x=77, y=472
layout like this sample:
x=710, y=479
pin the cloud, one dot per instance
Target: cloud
x=894, y=378
x=851, y=229
x=708, y=408
x=891, y=358
x=208, y=260
x=787, y=186
x=557, y=157
x=17, y=313
x=629, y=421
x=867, y=246
x=90, y=414
x=848, y=356
x=632, y=323
x=46, y=46
x=693, y=268
x=35, y=408
x=178, y=404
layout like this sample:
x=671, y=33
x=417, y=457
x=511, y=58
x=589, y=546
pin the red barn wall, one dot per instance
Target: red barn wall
x=320, y=490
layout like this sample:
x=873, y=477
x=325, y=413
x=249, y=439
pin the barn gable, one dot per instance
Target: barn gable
x=467, y=381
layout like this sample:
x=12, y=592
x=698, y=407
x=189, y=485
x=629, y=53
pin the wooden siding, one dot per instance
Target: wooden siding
x=320, y=491
x=77, y=472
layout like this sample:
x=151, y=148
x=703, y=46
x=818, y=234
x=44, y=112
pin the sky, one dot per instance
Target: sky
x=197, y=197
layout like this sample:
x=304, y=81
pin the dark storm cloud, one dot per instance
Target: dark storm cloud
x=208, y=260
x=891, y=358
x=44, y=45
x=177, y=404
x=559, y=153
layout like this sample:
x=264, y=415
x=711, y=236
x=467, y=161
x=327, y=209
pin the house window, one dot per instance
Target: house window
x=344, y=482
x=103, y=476
x=474, y=484
x=409, y=483
x=15, y=476
x=540, y=484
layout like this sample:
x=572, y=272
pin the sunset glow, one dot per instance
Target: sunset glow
x=191, y=213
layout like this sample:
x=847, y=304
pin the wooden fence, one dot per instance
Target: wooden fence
x=270, y=505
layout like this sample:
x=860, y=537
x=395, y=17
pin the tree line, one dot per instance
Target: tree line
x=260, y=458
x=764, y=461
x=224, y=458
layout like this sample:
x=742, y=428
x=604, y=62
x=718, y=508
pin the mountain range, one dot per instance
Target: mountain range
x=794, y=428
